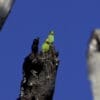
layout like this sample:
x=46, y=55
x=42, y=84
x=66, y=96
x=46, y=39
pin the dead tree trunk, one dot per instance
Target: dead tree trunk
x=39, y=74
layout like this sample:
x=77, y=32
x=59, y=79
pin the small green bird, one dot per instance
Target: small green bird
x=46, y=46
x=51, y=37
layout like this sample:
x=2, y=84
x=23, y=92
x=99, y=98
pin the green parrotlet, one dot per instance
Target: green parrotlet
x=45, y=46
x=51, y=37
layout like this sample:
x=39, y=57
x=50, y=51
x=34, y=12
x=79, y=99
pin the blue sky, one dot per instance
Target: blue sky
x=72, y=20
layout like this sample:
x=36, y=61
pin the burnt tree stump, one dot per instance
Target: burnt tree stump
x=39, y=75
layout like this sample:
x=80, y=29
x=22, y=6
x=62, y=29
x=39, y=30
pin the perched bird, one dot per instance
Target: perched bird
x=94, y=63
x=46, y=46
x=51, y=37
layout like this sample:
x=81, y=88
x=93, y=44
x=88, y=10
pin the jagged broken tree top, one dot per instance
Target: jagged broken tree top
x=39, y=74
